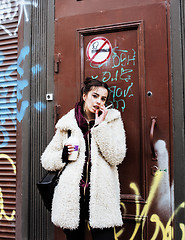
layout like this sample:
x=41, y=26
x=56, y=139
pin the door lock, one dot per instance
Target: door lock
x=154, y=170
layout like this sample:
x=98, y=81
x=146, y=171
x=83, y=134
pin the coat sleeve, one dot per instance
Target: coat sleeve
x=51, y=158
x=111, y=140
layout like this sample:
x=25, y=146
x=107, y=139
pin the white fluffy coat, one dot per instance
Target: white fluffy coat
x=108, y=149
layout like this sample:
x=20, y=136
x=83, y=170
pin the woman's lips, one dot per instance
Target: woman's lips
x=96, y=107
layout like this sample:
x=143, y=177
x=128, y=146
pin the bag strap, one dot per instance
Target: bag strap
x=69, y=133
x=60, y=172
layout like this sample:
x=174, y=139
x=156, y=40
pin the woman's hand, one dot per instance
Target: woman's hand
x=100, y=117
x=70, y=148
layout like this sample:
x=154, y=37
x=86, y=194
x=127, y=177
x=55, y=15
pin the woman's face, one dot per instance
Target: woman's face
x=95, y=99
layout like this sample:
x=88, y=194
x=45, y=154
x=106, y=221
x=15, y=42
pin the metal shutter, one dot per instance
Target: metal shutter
x=8, y=109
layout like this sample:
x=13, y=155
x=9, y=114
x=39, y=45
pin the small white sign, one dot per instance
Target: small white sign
x=49, y=97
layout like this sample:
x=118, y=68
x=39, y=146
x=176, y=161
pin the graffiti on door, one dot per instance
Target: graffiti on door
x=123, y=66
x=166, y=230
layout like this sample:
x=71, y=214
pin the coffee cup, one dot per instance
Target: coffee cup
x=74, y=142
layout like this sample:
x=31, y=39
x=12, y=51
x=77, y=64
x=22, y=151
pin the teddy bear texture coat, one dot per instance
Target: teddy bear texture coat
x=108, y=149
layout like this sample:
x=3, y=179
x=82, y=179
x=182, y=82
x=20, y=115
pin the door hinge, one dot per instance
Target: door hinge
x=57, y=61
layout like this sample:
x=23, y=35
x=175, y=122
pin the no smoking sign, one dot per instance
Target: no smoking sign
x=99, y=50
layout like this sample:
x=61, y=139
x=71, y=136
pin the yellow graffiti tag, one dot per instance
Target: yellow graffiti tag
x=168, y=231
x=182, y=227
x=146, y=208
x=155, y=218
x=10, y=160
x=124, y=208
x=135, y=188
x=2, y=212
x=118, y=234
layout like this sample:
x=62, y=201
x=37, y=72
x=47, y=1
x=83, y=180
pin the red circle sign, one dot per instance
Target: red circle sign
x=99, y=50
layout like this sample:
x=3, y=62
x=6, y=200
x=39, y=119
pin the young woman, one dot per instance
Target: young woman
x=88, y=189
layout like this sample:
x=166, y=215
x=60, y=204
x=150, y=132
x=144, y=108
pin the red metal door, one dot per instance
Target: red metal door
x=126, y=45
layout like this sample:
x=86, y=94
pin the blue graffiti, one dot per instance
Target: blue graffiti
x=122, y=65
x=20, y=114
x=94, y=65
x=35, y=69
x=118, y=96
x=23, y=53
x=118, y=92
x=119, y=75
x=2, y=57
x=6, y=114
x=8, y=100
x=126, y=91
x=121, y=57
x=8, y=103
x=94, y=77
x=5, y=77
x=6, y=137
x=40, y=106
x=21, y=84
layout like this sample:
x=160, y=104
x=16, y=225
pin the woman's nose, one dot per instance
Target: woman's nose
x=98, y=100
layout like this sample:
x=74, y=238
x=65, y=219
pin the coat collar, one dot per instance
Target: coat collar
x=68, y=121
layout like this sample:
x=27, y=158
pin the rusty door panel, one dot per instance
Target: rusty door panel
x=125, y=77
x=124, y=73
x=75, y=8
x=137, y=73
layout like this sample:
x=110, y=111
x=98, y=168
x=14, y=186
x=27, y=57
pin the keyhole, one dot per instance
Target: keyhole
x=149, y=93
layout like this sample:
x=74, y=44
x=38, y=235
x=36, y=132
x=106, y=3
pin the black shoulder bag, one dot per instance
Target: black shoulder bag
x=47, y=185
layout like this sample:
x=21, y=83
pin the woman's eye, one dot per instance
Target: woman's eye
x=94, y=96
x=103, y=99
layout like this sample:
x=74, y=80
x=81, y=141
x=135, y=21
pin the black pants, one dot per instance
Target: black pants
x=97, y=234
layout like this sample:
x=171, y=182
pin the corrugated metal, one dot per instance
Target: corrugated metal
x=39, y=225
x=8, y=109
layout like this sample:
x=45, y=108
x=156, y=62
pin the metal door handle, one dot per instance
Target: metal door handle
x=57, y=61
x=154, y=154
x=57, y=112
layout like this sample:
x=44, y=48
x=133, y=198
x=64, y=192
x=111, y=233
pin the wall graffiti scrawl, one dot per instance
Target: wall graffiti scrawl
x=11, y=93
x=9, y=10
x=10, y=111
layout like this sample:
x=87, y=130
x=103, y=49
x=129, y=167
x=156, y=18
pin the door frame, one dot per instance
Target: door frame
x=177, y=13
